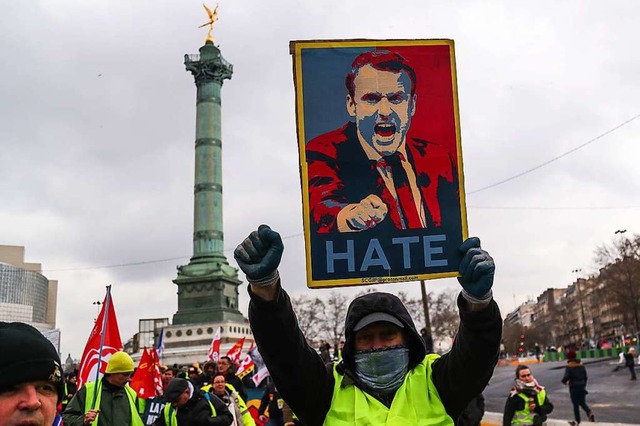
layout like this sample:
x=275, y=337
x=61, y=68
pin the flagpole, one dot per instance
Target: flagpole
x=106, y=306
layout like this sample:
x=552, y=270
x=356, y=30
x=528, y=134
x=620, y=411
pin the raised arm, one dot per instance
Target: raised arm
x=297, y=369
x=464, y=372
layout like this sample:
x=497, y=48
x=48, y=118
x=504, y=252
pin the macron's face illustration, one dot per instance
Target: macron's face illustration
x=382, y=107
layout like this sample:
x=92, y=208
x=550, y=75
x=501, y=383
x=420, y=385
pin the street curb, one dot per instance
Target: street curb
x=495, y=419
x=586, y=362
x=563, y=363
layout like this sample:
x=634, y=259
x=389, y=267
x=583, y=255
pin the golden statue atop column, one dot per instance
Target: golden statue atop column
x=213, y=17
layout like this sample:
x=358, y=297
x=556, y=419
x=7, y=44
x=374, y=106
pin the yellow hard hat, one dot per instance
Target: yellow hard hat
x=120, y=362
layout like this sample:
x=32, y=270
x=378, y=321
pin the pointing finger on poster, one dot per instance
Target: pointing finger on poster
x=362, y=216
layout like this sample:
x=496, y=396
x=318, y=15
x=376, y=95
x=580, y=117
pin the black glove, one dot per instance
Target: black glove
x=476, y=272
x=259, y=256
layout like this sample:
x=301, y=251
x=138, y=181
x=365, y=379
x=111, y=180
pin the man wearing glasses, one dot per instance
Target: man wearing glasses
x=527, y=403
x=227, y=369
x=116, y=404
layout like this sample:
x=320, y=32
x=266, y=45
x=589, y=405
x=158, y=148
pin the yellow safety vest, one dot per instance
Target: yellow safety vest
x=247, y=418
x=525, y=416
x=131, y=396
x=416, y=402
x=171, y=415
x=65, y=400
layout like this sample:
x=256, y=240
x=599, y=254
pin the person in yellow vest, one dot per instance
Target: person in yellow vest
x=116, y=404
x=186, y=405
x=228, y=394
x=70, y=388
x=385, y=376
x=527, y=403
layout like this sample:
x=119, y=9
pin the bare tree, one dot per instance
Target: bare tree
x=511, y=337
x=444, y=314
x=310, y=313
x=414, y=306
x=366, y=290
x=333, y=317
x=620, y=273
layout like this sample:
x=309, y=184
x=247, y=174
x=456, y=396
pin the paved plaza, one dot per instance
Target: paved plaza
x=613, y=397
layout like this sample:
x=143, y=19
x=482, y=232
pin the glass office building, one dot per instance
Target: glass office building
x=24, y=295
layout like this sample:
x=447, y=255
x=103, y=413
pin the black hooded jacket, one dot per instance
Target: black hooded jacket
x=306, y=383
x=197, y=412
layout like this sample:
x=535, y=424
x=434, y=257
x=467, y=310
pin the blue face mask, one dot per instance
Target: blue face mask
x=383, y=369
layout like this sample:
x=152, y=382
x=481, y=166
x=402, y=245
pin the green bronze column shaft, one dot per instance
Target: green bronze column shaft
x=209, y=70
x=208, y=285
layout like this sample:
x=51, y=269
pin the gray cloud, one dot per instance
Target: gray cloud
x=97, y=126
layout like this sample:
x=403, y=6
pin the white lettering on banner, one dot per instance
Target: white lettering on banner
x=375, y=255
x=153, y=411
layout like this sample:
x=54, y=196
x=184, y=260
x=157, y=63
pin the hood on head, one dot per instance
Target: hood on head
x=385, y=303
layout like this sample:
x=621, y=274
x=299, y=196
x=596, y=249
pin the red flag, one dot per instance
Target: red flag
x=235, y=351
x=246, y=366
x=260, y=369
x=157, y=371
x=142, y=380
x=103, y=341
x=214, y=350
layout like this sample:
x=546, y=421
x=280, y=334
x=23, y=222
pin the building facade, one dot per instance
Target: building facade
x=26, y=295
x=586, y=314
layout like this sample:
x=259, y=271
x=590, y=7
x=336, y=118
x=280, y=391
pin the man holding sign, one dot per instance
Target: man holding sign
x=385, y=376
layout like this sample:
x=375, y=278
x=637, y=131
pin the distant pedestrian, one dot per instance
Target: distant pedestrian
x=527, y=403
x=428, y=340
x=70, y=388
x=324, y=352
x=575, y=375
x=621, y=362
x=630, y=360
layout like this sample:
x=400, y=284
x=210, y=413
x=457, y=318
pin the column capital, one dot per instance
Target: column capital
x=208, y=66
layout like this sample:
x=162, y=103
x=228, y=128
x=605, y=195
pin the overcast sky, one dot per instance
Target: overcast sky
x=97, y=124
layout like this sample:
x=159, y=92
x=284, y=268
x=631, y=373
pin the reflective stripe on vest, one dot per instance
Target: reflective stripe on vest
x=524, y=416
x=171, y=416
x=247, y=419
x=131, y=396
x=416, y=402
x=65, y=400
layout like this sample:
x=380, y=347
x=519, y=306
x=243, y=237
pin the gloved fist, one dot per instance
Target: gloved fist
x=476, y=272
x=259, y=256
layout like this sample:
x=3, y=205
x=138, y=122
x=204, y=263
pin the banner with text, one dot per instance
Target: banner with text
x=381, y=160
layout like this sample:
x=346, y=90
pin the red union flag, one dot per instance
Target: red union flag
x=235, y=351
x=247, y=365
x=214, y=350
x=103, y=341
x=157, y=371
x=143, y=379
